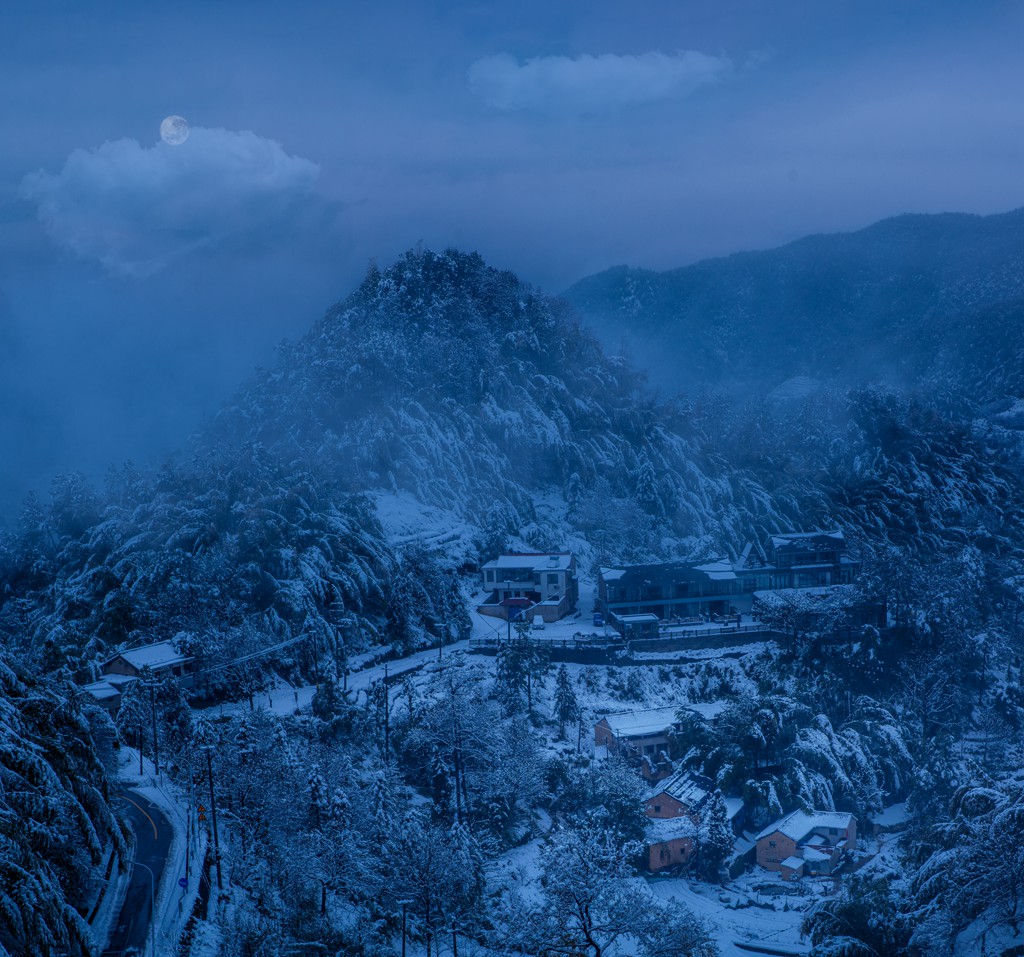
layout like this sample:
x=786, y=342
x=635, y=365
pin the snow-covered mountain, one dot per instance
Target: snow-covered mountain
x=456, y=384
x=914, y=301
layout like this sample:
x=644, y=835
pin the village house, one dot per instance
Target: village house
x=637, y=734
x=644, y=736
x=684, y=591
x=675, y=808
x=806, y=842
x=528, y=584
x=161, y=658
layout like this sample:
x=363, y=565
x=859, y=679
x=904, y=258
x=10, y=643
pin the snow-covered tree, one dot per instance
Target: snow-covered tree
x=567, y=709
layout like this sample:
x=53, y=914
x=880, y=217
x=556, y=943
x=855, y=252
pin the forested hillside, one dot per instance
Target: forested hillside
x=921, y=302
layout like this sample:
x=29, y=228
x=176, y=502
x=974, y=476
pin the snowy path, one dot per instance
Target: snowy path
x=288, y=700
x=731, y=929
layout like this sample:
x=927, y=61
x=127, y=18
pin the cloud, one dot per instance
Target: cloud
x=135, y=208
x=561, y=85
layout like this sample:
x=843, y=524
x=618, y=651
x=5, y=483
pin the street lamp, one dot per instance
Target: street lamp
x=152, y=910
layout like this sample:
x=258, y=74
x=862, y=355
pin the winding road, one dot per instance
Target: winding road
x=153, y=835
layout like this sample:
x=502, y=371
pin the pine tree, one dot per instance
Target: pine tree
x=715, y=838
x=646, y=492
x=566, y=707
x=573, y=496
x=317, y=787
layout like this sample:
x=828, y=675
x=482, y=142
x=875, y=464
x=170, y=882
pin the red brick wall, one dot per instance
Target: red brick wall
x=771, y=857
x=669, y=853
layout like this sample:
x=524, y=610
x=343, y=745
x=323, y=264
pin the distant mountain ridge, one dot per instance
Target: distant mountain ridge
x=916, y=300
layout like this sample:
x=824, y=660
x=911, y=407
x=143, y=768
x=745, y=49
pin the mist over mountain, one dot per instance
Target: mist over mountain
x=919, y=302
x=453, y=383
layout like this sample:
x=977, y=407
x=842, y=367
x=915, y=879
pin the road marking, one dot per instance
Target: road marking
x=143, y=810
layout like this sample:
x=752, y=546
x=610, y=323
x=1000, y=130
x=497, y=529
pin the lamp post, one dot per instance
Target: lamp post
x=152, y=909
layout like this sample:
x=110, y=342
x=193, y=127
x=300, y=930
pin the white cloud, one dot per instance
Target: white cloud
x=136, y=208
x=561, y=85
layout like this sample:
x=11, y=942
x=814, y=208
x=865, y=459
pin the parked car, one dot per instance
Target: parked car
x=538, y=623
x=598, y=620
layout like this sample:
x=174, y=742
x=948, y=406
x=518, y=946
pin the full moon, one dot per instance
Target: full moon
x=174, y=130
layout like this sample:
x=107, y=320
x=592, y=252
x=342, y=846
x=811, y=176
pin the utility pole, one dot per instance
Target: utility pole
x=156, y=751
x=213, y=811
x=405, y=910
x=387, y=715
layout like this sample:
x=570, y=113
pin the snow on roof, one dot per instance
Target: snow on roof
x=101, y=690
x=812, y=854
x=669, y=829
x=718, y=570
x=629, y=724
x=733, y=806
x=787, y=538
x=798, y=824
x=162, y=654
x=612, y=574
x=686, y=787
x=637, y=619
x=535, y=561
x=708, y=710
x=794, y=863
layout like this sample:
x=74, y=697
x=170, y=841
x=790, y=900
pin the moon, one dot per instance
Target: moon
x=174, y=130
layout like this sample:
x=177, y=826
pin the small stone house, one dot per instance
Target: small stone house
x=806, y=842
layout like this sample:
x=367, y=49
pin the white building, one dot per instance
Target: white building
x=529, y=584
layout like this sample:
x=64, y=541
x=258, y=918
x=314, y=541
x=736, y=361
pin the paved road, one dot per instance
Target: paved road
x=153, y=842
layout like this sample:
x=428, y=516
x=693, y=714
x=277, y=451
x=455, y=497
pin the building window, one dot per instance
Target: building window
x=553, y=580
x=771, y=844
x=490, y=574
x=657, y=808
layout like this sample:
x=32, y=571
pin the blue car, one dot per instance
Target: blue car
x=598, y=620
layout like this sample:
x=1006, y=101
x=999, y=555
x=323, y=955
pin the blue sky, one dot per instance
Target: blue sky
x=140, y=283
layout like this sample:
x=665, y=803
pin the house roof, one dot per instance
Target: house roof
x=719, y=570
x=101, y=690
x=733, y=806
x=162, y=654
x=653, y=573
x=798, y=824
x=689, y=789
x=661, y=829
x=629, y=724
x=535, y=561
x=813, y=854
x=637, y=619
x=794, y=863
x=809, y=539
x=708, y=710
